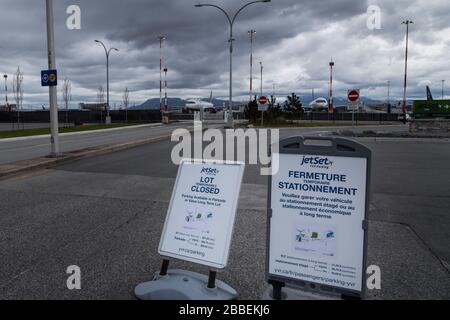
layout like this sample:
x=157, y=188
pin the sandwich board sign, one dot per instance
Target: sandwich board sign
x=317, y=211
x=200, y=220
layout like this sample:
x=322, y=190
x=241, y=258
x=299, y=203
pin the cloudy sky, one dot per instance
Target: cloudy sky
x=295, y=40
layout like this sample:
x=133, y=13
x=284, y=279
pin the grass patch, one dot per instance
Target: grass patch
x=43, y=131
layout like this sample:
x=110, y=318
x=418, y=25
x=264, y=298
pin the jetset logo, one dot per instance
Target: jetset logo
x=210, y=171
x=317, y=161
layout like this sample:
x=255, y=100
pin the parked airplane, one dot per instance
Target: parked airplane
x=320, y=104
x=193, y=105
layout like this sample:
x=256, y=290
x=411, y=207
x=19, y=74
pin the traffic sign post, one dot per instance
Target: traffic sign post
x=317, y=229
x=353, y=101
x=353, y=96
x=49, y=78
x=198, y=228
x=262, y=106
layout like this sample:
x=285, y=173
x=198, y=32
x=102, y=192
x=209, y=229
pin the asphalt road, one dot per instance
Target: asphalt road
x=105, y=214
x=12, y=150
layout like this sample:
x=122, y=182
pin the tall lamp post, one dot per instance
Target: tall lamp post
x=161, y=38
x=330, y=105
x=261, y=93
x=166, y=101
x=407, y=22
x=251, y=32
x=389, y=96
x=231, y=39
x=443, y=82
x=107, y=52
x=54, y=126
x=261, y=86
x=6, y=92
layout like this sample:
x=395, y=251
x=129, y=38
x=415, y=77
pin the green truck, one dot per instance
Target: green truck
x=431, y=108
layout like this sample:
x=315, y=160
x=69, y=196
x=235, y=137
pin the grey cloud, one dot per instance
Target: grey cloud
x=295, y=40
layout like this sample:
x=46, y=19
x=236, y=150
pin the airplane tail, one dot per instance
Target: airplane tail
x=429, y=95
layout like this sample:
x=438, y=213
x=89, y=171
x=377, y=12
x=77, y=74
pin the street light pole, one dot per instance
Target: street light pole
x=161, y=38
x=261, y=93
x=107, y=52
x=443, y=81
x=166, y=102
x=389, y=91
x=389, y=96
x=330, y=105
x=407, y=22
x=261, y=86
x=251, y=32
x=54, y=127
x=231, y=23
x=6, y=92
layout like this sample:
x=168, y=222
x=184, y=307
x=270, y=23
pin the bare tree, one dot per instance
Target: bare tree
x=101, y=100
x=67, y=96
x=101, y=95
x=126, y=102
x=18, y=92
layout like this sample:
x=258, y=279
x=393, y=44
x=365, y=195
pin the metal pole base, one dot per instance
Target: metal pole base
x=108, y=120
x=294, y=294
x=183, y=285
x=55, y=155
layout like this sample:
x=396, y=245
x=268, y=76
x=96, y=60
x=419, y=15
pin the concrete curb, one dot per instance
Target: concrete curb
x=80, y=132
x=27, y=166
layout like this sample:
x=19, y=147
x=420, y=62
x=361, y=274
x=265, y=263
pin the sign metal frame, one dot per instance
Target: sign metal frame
x=339, y=148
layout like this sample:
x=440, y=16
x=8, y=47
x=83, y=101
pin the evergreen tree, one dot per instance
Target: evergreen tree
x=293, y=106
x=251, y=110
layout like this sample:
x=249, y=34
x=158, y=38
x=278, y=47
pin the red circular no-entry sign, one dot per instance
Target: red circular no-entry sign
x=353, y=95
x=262, y=100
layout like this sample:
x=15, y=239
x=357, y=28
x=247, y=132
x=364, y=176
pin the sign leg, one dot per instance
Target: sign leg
x=164, y=267
x=277, y=288
x=212, y=279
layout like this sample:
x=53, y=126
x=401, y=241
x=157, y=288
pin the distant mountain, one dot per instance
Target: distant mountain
x=178, y=103
x=153, y=104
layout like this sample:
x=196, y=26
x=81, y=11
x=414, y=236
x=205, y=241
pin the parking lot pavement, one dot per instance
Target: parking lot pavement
x=105, y=215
